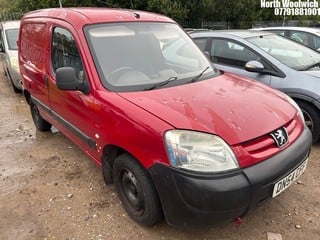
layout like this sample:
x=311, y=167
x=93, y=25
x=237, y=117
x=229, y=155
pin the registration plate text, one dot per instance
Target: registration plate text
x=285, y=182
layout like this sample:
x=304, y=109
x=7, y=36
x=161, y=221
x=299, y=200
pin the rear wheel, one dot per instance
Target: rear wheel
x=15, y=89
x=136, y=190
x=39, y=122
x=312, y=119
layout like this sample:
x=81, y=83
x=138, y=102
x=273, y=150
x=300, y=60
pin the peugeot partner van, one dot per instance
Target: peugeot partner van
x=9, y=32
x=178, y=138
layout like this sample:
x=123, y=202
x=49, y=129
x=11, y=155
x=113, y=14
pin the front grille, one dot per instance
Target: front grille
x=261, y=148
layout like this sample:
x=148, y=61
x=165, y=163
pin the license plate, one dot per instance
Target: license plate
x=285, y=182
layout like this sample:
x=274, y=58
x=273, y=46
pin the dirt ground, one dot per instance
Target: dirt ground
x=50, y=190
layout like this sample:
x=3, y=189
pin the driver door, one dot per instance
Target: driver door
x=72, y=110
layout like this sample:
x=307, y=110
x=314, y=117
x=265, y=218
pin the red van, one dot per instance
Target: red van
x=177, y=137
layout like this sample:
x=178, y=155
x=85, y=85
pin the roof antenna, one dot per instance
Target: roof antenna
x=60, y=4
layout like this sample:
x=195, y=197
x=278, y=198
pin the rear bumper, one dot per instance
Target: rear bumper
x=190, y=199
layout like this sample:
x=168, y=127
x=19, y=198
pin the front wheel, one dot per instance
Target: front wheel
x=312, y=119
x=136, y=190
x=41, y=124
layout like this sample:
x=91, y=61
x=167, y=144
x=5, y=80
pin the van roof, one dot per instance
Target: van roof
x=82, y=16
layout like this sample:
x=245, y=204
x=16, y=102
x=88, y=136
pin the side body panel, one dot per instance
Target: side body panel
x=97, y=119
x=73, y=112
x=33, y=53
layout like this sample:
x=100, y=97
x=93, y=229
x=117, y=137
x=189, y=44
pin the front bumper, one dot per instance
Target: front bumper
x=190, y=199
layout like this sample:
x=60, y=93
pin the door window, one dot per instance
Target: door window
x=65, y=53
x=201, y=42
x=230, y=53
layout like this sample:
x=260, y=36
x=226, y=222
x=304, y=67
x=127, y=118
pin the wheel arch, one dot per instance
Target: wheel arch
x=27, y=96
x=311, y=112
x=109, y=154
x=305, y=98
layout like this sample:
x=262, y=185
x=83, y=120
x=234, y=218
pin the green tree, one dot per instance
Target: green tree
x=170, y=8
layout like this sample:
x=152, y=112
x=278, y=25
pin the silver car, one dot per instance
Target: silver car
x=271, y=59
x=9, y=32
x=304, y=35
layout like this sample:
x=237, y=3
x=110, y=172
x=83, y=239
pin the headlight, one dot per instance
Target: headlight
x=290, y=100
x=199, y=152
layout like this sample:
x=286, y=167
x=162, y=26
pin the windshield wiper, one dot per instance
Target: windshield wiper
x=317, y=64
x=163, y=83
x=200, y=74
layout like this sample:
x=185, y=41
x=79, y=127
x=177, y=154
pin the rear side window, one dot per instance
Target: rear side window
x=12, y=37
x=65, y=53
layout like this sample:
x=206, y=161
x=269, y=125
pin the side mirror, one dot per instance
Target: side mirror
x=254, y=66
x=67, y=80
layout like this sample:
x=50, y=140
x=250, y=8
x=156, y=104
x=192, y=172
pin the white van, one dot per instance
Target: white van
x=9, y=32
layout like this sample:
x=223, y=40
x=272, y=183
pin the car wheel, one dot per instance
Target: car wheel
x=41, y=124
x=312, y=119
x=15, y=89
x=136, y=190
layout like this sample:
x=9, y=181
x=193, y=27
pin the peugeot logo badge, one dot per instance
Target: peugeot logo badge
x=280, y=137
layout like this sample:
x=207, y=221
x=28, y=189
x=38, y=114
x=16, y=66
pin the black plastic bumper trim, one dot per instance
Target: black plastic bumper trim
x=197, y=200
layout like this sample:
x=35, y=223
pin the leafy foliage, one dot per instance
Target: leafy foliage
x=171, y=8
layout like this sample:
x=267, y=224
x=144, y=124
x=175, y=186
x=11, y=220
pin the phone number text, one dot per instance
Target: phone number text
x=296, y=11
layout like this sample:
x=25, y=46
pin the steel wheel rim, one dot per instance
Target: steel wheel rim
x=131, y=190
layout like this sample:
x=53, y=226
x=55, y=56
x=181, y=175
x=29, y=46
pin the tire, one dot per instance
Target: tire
x=136, y=191
x=312, y=118
x=15, y=89
x=41, y=124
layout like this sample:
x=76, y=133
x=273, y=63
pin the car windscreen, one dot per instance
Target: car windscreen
x=135, y=56
x=12, y=37
x=286, y=51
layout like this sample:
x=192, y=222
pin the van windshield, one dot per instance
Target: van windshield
x=12, y=38
x=142, y=55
